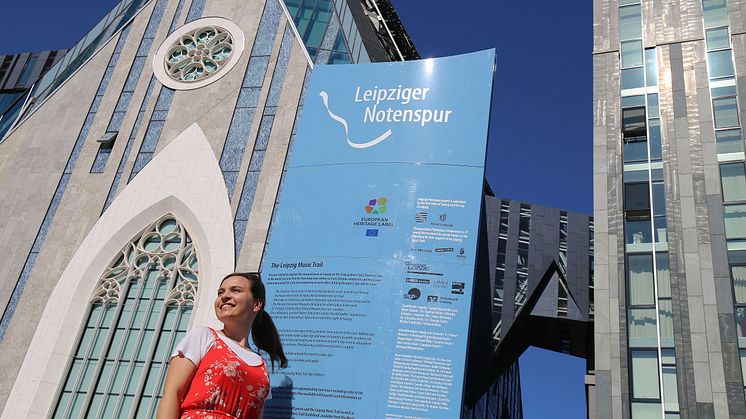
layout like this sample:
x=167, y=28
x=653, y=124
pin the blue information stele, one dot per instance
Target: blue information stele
x=371, y=259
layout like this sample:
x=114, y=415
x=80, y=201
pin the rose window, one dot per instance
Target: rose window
x=199, y=54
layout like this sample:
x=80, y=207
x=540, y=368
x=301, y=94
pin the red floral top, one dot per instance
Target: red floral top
x=224, y=386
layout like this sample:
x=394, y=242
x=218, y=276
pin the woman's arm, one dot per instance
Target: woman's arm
x=178, y=377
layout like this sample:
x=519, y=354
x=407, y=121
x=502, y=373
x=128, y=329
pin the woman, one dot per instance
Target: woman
x=214, y=374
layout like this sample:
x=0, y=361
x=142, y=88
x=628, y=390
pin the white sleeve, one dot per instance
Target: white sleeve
x=194, y=345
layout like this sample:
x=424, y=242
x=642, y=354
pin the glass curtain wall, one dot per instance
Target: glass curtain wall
x=651, y=353
x=730, y=153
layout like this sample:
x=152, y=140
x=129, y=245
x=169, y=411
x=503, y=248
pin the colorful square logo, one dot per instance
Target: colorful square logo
x=376, y=206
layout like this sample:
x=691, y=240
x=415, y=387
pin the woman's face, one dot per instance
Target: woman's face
x=235, y=302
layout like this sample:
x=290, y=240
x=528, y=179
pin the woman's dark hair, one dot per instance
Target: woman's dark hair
x=263, y=330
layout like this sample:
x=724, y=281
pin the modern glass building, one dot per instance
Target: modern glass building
x=535, y=283
x=18, y=72
x=669, y=189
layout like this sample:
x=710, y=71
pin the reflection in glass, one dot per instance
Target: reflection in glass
x=717, y=38
x=670, y=392
x=722, y=91
x=631, y=54
x=660, y=230
x=733, y=178
x=741, y=325
x=638, y=231
x=25, y=76
x=630, y=23
x=665, y=314
x=637, y=101
x=653, y=109
x=715, y=13
x=659, y=199
x=635, y=149
x=640, y=279
x=664, y=275
x=651, y=67
x=735, y=221
x=646, y=411
x=738, y=273
x=654, y=136
x=726, y=112
x=642, y=332
x=633, y=78
x=645, y=384
x=720, y=64
x=729, y=141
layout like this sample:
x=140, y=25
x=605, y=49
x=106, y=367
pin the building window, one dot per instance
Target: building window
x=733, y=178
x=720, y=64
x=636, y=200
x=651, y=69
x=726, y=112
x=715, y=13
x=633, y=78
x=630, y=22
x=138, y=312
x=642, y=332
x=633, y=121
x=631, y=54
x=717, y=38
x=28, y=69
x=729, y=141
x=739, y=283
x=640, y=280
x=735, y=221
x=645, y=384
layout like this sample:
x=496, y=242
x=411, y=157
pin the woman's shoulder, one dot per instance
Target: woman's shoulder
x=200, y=336
x=195, y=344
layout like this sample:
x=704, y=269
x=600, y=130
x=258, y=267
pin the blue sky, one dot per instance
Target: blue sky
x=540, y=146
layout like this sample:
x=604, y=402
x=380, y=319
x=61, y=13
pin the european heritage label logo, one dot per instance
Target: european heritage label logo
x=376, y=206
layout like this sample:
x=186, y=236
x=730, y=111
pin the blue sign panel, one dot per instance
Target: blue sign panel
x=370, y=264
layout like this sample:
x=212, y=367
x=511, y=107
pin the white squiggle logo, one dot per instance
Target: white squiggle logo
x=342, y=121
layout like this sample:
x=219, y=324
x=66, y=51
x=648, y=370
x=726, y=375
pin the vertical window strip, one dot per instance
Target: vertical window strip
x=128, y=146
x=195, y=10
x=60, y=191
x=729, y=143
x=649, y=312
x=104, y=151
x=591, y=269
x=139, y=311
x=499, y=289
x=521, y=278
x=563, y=242
x=177, y=14
x=298, y=112
x=153, y=132
x=262, y=140
x=248, y=98
x=163, y=103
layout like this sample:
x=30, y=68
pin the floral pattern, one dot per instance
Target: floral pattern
x=224, y=386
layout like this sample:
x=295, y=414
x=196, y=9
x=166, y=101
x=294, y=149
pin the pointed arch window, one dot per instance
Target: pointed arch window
x=138, y=312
